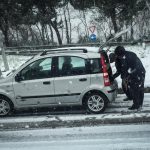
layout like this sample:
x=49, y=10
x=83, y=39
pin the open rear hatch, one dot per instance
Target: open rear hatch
x=107, y=71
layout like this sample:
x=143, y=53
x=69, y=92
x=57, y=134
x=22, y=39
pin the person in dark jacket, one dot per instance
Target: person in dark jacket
x=118, y=72
x=133, y=72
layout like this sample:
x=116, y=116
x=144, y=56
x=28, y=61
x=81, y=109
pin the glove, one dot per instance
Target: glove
x=127, y=79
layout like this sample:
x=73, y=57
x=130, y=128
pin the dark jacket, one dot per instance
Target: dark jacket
x=131, y=66
x=120, y=69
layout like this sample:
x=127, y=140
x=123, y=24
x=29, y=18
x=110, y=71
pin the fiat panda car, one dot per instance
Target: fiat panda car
x=60, y=77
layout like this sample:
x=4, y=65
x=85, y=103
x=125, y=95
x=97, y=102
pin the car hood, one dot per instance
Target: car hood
x=5, y=79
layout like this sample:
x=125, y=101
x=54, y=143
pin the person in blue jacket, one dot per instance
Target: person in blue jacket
x=133, y=72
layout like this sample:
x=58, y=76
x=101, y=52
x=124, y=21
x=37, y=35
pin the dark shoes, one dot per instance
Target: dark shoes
x=133, y=107
x=127, y=99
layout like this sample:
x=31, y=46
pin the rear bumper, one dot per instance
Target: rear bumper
x=112, y=91
x=112, y=94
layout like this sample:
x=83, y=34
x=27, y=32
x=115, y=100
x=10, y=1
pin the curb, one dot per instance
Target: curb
x=72, y=121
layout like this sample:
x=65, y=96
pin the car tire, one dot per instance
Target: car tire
x=6, y=106
x=96, y=103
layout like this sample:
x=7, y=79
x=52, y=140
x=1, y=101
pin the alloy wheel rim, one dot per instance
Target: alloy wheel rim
x=95, y=103
x=4, y=107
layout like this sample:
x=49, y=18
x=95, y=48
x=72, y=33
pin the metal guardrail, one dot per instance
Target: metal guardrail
x=33, y=50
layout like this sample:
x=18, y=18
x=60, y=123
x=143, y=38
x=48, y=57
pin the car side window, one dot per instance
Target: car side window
x=69, y=66
x=37, y=70
x=95, y=66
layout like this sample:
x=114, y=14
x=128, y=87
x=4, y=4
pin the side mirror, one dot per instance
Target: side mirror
x=18, y=78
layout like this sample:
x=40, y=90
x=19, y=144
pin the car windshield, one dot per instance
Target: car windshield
x=10, y=72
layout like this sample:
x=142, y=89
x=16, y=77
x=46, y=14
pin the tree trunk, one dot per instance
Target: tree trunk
x=114, y=22
x=54, y=25
x=32, y=34
x=6, y=38
x=5, y=30
x=43, y=33
x=113, y=19
x=86, y=26
x=148, y=4
x=39, y=31
x=4, y=26
x=132, y=32
x=52, y=34
x=69, y=23
x=66, y=24
x=47, y=36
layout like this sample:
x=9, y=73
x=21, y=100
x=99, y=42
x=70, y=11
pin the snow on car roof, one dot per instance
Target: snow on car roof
x=92, y=52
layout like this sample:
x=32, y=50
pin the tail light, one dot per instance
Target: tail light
x=105, y=72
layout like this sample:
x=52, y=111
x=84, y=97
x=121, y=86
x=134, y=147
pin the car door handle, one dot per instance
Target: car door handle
x=47, y=82
x=83, y=79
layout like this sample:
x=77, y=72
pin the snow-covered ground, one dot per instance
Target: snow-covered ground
x=117, y=112
x=15, y=61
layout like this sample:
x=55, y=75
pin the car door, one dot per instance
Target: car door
x=37, y=84
x=71, y=80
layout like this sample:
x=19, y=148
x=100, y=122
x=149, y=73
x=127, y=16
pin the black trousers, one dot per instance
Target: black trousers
x=126, y=89
x=137, y=90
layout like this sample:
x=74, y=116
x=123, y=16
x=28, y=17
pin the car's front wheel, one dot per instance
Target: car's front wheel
x=5, y=106
x=96, y=102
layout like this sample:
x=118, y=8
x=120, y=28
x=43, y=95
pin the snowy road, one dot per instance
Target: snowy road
x=114, y=137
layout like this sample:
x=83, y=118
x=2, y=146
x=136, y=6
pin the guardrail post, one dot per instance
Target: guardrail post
x=4, y=59
x=0, y=72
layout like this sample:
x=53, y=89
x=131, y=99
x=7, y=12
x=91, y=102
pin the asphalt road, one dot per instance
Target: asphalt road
x=116, y=137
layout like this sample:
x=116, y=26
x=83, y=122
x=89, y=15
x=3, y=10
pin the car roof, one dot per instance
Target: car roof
x=82, y=51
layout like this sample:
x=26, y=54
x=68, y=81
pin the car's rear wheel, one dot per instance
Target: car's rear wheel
x=5, y=106
x=96, y=102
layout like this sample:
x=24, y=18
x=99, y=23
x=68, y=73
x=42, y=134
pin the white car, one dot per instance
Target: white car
x=65, y=76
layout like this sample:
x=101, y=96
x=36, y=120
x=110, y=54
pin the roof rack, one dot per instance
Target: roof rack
x=63, y=50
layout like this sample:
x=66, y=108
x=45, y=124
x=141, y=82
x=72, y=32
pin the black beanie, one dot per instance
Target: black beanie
x=119, y=51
